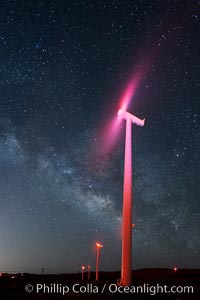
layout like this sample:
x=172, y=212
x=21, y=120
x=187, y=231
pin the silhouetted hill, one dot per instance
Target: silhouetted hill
x=150, y=281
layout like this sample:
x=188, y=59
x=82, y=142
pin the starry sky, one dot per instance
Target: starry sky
x=64, y=66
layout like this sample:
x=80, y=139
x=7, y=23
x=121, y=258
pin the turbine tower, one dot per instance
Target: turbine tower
x=126, y=266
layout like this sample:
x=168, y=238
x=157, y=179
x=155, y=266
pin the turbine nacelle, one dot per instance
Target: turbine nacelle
x=122, y=113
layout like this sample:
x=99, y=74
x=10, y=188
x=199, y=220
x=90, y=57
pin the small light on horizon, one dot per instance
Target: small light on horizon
x=175, y=270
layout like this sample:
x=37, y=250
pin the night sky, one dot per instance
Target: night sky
x=64, y=67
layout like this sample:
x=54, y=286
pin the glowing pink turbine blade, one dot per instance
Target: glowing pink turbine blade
x=129, y=92
x=104, y=144
x=110, y=135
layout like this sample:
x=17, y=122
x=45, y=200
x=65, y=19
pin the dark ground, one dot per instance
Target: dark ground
x=12, y=286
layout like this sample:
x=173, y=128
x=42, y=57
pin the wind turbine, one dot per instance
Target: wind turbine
x=82, y=272
x=98, y=247
x=89, y=269
x=127, y=197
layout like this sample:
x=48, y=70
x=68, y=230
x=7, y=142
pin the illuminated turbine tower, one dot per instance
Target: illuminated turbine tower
x=127, y=198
